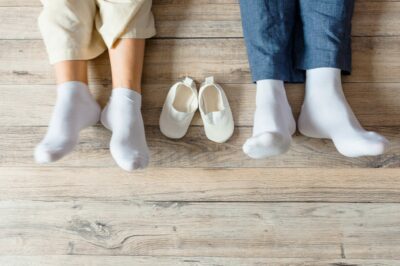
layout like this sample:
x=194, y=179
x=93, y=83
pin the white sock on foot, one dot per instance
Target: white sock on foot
x=274, y=124
x=326, y=114
x=123, y=117
x=75, y=110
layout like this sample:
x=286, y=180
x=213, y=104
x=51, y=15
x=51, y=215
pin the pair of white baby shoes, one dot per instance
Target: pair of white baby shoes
x=182, y=102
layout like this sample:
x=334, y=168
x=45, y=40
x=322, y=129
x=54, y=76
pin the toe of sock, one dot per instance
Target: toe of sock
x=132, y=163
x=377, y=147
x=370, y=144
x=266, y=145
x=43, y=155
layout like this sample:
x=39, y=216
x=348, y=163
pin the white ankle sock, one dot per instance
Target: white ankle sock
x=274, y=124
x=326, y=114
x=123, y=117
x=75, y=110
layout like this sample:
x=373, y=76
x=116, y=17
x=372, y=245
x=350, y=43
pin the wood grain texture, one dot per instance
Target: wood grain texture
x=181, y=261
x=275, y=230
x=205, y=19
x=25, y=3
x=375, y=60
x=202, y=185
x=194, y=150
x=67, y=260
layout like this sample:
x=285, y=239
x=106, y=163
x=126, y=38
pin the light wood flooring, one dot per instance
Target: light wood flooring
x=199, y=203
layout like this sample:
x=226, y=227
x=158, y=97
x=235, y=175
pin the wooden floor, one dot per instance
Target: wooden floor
x=200, y=203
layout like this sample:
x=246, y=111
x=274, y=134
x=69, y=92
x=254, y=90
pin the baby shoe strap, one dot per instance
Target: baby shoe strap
x=188, y=82
x=210, y=80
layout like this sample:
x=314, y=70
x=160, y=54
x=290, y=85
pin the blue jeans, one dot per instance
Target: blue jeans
x=286, y=37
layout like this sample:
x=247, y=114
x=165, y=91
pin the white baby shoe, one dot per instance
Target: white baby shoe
x=179, y=108
x=215, y=111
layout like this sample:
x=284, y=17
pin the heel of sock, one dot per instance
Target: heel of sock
x=94, y=116
x=104, y=118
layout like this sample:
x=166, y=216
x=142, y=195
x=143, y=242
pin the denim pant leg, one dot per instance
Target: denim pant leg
x=268, y=27
x=324, y=35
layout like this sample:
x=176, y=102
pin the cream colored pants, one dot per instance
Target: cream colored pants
x=83, y=29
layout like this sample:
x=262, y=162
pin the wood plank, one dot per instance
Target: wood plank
x=67, y=260
x=25, y=61
x=376, y=104
x=22, y=3
x=206, y=19
x=11, y=3
x=205, y=185
x=193, y=151
x=85, y=227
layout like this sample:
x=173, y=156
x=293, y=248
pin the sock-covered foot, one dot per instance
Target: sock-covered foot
x=123, y=117
x=75, y=110
x=326, y=114
x=274, y=124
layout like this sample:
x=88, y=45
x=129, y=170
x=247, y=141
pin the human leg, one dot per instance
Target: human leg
x=325, y=54
x=269, y=29
x=124, y=27
x=75, y=108
x=122, y=115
